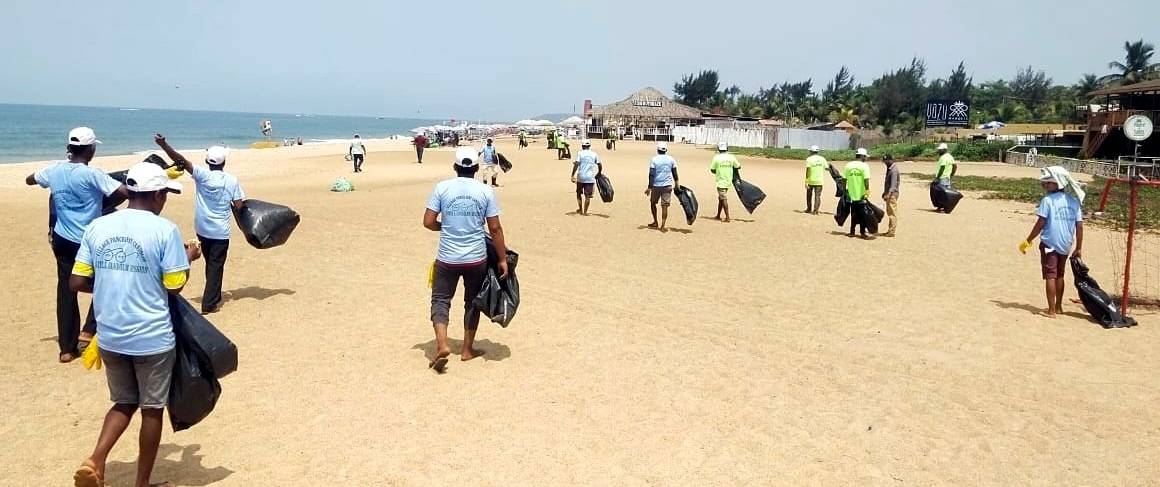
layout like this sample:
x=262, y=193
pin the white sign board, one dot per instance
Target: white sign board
x=1138, y=128
x=647, y=103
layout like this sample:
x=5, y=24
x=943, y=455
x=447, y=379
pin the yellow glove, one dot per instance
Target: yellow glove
x=431, y=276
x=91, y=357
x=1024, y=245
x=173, y=172
x=807, y=183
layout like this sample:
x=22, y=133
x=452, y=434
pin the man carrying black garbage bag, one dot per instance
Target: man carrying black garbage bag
x=1060, y=224
x=725, y=168
x=662, y=180
x=464, y=211
x=585, y=170
x=131, y=261
x=218, y=196
x=857, y=174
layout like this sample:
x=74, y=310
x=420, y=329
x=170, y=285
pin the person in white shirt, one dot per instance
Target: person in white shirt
x=218, y=196
x=131, y=260
x=585, y=170
x=357, y=152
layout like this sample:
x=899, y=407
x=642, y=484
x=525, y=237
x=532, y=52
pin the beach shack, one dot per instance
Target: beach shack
x=1104, y=136
x=645, y=115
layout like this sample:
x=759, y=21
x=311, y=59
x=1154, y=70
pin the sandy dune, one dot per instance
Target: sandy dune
x=769, y=351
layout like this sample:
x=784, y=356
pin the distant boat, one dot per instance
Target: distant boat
x=130, y=109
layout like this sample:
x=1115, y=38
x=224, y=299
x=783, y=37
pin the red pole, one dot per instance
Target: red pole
x=1131, y=237
x=1107, y=190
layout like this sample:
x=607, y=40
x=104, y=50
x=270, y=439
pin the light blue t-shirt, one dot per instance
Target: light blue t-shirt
x=130, y=251
x=77, y=195
x=465, y=205
x=1062, y=211
x=586, y=171
x=216, y=193
x=488, y=154
x=662, y=166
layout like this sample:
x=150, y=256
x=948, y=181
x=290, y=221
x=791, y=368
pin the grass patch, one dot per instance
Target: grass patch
x=1028, y=190
x=973, y=150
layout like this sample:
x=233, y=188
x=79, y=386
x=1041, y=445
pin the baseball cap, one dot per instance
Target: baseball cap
x=722, y=147
x=465, y=157
x=585, y=142
x=216, y=155
x=814, y=148
x=888, y=157
x=942, y=146
x=82, y=136
x=661, y=146
x=862, y=152
x=146, y=177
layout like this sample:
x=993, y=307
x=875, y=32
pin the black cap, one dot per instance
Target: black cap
x=888, y=157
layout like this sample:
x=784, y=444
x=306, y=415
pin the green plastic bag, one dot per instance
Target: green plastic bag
x=342, y=185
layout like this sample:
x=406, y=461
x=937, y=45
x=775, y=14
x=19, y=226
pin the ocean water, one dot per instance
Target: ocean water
x=38, y=132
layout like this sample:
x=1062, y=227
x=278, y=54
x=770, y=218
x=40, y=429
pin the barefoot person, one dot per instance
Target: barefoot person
x=1060, y=224
x=724, y=166
x=218, y=196
x=662, y=180
x=130, y=260
x=585, y=169
x=77, y=198
x=816, y=166
x=464, y=212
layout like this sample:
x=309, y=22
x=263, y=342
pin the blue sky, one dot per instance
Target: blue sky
x=509, y=60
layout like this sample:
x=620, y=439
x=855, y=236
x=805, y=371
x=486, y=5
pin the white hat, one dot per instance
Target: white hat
x=661, y=146
x=146, y=177
x=216, y=155
x=585, y=142
x=942, y=146
x=721, y=146
x=465, y=157
x=82, y=136
x=862, y=152
x=814, y=148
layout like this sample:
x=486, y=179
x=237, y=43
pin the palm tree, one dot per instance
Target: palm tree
x=1087, y=84
x=1137, y=66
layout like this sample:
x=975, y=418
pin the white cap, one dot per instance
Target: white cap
x=465, y=157
x=216, y=155
x=942, y=146
x=585, y=142
x=862, y=152
x=82, y=136
x=722, y=146
x=661, y=146
x=814, y=148
x=146, y=177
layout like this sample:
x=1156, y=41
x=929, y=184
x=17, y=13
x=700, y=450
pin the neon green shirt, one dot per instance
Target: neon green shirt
x=817, y=169
x=560, y=142
x=722, y=166
x=856, y=174
x=946, y=164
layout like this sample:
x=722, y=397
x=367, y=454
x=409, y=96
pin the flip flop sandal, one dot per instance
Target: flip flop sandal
x=439, y=365
x=87, y=476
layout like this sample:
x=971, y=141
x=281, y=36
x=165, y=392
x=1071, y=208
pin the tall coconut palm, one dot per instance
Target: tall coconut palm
x=1087, y=84
x=1137, y=66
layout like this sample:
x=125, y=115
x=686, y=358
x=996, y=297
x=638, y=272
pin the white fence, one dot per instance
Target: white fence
x=1033, y=159
x=738, y=137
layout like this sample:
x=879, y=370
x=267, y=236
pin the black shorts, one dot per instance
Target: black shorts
x=585, y=188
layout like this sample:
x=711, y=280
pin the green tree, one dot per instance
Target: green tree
x=1087, y=84
x=697, y=90
x=1030, y=87
x=1137, y=65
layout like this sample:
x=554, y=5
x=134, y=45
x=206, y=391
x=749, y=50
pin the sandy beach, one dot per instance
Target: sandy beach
x=769, y=351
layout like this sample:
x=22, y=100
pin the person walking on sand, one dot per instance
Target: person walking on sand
x=1060, y=224
x=562, y=151
x=662, y=180
x=218, y=196
x=857, y=174
x=816, y=166
x=464, y=212
x=490, y=164
x=131, y=261
x=726, y=167
x=357, y=152
x=890, y=193
x=523, y=135
x=420, y=145
x=585, y=170
x=77, y=197
x=947, y=167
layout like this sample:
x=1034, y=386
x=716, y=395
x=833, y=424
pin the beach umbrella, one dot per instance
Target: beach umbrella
x=545, y=123
x=994, y=124
x=526, y=123
x=572, y=121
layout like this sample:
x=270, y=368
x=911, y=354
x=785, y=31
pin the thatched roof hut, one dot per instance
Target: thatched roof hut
x=646, y=105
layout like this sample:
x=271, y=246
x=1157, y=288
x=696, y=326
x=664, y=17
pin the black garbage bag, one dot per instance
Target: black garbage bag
x=266, y=225
x=222, y=353
x=843, y=210
x=604, y=186
x=1097, y=302
x=194, y=389
x=751, y=196
x=867, y=216
x=688, y=200
x=608, y=144
x=499, y=299
x=879, y=213
x=504, y=164
x=839, y=181
x=944, y=196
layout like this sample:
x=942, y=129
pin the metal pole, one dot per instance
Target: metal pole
x=1131, y=238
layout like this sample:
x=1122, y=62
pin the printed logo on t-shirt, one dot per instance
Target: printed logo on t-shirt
x=121, y=254
x=464, y=206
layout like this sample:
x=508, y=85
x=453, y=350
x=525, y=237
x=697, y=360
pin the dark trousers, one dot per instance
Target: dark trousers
x=813, y=199
x=358, y=160
x=419, y=153
x=68, y=313
x=443, y=291
x=214, y=251
x=856, y=216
